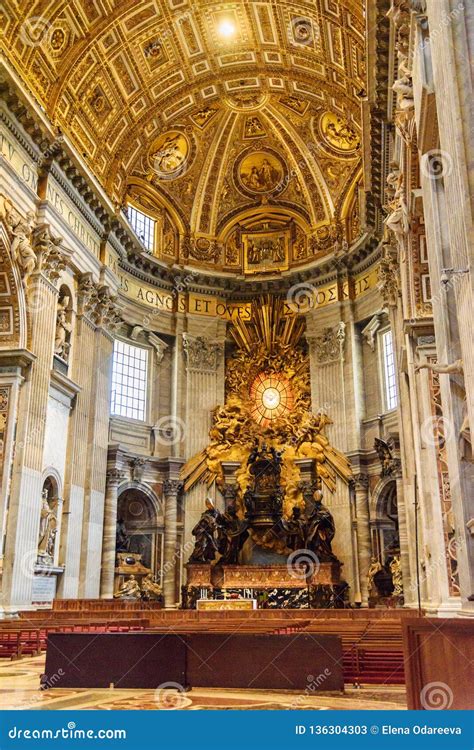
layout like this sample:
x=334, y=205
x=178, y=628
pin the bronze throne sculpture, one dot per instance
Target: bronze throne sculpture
x=264, y=501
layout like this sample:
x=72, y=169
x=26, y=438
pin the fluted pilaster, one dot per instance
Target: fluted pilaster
x=364, y=546
x=114, y=478
x=171, y=490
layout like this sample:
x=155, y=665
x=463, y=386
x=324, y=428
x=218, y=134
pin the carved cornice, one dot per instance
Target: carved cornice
x=158, y=345
x=202, y=355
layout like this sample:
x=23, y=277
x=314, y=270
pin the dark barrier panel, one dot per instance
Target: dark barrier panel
x=148, y=660
x=439, y=663
x=285, y=662
x=128, y=660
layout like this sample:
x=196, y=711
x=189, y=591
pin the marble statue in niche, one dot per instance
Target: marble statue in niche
x=47, y=529
x=62, y=339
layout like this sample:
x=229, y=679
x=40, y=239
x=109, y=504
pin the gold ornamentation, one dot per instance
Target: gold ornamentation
x=204, y=116
x=338, y=132
x=272, y=397
x=296, y=105
x=270, y=355
x=266, y=252
x=169, y=153
x=232, y=249
x=260, y=172
x=254, y=128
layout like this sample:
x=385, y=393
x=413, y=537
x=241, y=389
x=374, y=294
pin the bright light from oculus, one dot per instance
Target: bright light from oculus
x=226, y=28
x=271, y=398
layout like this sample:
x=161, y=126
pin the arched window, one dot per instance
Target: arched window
x=143, y=226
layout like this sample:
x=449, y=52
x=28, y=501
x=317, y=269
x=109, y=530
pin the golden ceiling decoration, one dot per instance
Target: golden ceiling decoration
x=268, y=399
x=162, y=97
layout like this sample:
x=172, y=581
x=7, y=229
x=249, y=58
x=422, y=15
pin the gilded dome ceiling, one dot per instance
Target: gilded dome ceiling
x=236, y=125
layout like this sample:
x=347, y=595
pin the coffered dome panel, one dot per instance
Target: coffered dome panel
x=215, y=109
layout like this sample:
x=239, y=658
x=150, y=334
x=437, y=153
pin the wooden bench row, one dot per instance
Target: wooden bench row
x=16, y=642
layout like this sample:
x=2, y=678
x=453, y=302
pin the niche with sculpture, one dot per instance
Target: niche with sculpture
x=48, y=527
x=64, y=326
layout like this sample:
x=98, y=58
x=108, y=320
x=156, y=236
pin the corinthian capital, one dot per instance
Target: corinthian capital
x=51, y=257
x=98, y=304
x=329, y=347
x=202, y=355
x=172, y=487
x=360, y=481
x=114, y=476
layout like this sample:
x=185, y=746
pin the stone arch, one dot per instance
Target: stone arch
x=141, y=512
x=53, y=478
x=13, y=329
x=384, y=517
x=147, y=490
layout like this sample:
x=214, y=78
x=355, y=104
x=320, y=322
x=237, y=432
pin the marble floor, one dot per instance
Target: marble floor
x=19, y=682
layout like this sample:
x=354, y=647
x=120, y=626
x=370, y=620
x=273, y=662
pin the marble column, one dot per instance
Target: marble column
x=171, y=491
x=409, y=596
x=364, y=545
x=114, y=478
